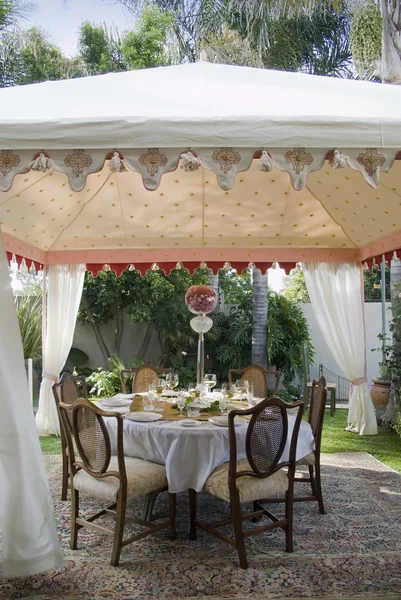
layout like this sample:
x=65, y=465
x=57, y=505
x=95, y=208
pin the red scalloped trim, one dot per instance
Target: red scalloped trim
x=29, y=262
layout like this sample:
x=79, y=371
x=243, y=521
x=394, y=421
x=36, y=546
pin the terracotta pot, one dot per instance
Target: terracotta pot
x=380, y=391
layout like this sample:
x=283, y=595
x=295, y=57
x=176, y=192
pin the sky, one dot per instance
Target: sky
x=62, y=18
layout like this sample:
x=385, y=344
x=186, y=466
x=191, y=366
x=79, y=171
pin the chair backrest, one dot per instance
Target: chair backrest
x=317, y=406
x=87, y=435
x=68, y=389
x=146, y=374
x=266, y=438
x=260, y=378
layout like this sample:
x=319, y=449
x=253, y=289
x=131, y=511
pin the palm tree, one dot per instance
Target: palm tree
x=259, y=313
x=376, y=23
x=268, y=33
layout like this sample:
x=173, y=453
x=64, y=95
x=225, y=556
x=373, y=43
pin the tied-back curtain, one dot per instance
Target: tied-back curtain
x=336, y=294
x=30, y=543
x=64, y=291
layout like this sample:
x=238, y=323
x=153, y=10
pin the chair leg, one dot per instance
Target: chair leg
x=172, y=503
x=149, y=503
x=192, y=514
x=319, y=487
x=118, y=533
x=312, y=480
x=239, y=534
x=64, y=481
x=289, y=512
x=74, y=517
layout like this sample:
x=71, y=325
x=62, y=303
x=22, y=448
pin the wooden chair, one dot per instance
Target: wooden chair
x=67, y=390
x=258, y=377
x=315, y=419
x=142, y=377
x=113, y=479
x=261, y=474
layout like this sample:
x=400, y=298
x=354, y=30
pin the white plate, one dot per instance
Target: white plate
x=222, y=421
x=125, y=396
x=170, y=393
x=143, y=416
x=114, y=402
x=189, y=423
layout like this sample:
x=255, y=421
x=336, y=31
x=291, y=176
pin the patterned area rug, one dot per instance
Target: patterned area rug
x=352, y=551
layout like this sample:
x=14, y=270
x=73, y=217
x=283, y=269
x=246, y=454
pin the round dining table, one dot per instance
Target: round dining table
x=190, y=454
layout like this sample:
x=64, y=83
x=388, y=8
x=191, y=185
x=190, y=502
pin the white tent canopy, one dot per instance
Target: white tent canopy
x=149, y=210
x=200, y=105
x=277, y=167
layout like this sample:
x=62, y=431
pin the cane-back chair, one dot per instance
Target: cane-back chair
x=67, y=390
x=261, y=474
x=115, y=480
x=141, y=377
x=265, y=383
x=312, y=460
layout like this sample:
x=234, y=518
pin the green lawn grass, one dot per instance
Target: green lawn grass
x=385, y=447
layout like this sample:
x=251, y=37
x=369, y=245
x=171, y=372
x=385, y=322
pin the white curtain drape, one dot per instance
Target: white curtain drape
x=30, y=543
x=336, y=294
x=64, y=291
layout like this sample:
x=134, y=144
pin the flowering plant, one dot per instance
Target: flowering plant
x=201, y=299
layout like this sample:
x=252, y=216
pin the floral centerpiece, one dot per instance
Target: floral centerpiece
x=201, y=299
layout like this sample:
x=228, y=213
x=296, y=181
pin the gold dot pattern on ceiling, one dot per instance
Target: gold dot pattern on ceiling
x=365, y=214
x=259, y=211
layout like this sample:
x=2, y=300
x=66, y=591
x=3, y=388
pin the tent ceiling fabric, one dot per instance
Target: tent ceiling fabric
x=114, y=219
x=220, y=207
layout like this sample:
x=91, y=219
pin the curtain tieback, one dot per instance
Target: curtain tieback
x=360, y=380
x=50, y=377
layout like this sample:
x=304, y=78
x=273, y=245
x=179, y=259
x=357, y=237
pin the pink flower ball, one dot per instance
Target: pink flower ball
x=201, y=299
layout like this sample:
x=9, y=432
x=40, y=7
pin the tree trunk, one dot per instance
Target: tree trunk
x=390, y=67
x=214, y=284
x=119, y=326
x=145, y=342
x=259, y=330
x=98, y=334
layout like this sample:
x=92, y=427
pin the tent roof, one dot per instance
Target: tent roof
x=200, y=105
x=121, y=140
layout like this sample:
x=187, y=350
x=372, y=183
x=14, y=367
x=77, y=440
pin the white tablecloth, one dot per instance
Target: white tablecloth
x=191, y=454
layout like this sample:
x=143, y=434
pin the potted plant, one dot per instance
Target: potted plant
x=390, y=367
x=380, y=390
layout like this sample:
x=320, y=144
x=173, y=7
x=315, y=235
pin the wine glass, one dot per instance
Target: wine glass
x=194, y=390
x=172, y=380
x=181, y=402
x=209, y=380
x=159, y=387
x=241, y=388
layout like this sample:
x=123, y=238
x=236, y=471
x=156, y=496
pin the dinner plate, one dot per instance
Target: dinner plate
x=189, y=423
x=170, y=393
x=114, y=402
x=143, y=416
x=222, y=421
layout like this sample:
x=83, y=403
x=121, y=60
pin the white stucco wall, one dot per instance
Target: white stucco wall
x=84, y=339
x=133, y=335
x=373, y=323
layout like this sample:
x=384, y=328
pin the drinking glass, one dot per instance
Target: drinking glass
x=159, y=387
x=192, y=411
x=194, y=390
x=222, y=404
x=209, y=380
x=172, y=380
x=148, y=400
x=181, y=402
x=249, y=394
